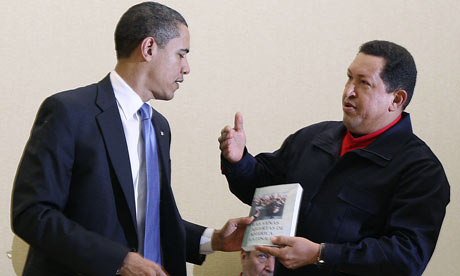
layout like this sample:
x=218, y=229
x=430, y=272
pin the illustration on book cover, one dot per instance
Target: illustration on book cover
x=268, y=206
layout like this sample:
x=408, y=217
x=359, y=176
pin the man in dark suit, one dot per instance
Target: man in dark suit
x=79, y=197
x=374, y=194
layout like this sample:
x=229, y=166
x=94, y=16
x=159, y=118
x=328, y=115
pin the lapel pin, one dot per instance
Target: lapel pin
x=162, y=133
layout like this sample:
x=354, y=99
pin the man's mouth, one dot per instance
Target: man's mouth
x=347, y=106
x=179, y=81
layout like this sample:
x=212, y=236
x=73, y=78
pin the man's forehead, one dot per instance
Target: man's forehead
x=181, y=42
x=184, y=39
x=364, y=64
x=184, y=32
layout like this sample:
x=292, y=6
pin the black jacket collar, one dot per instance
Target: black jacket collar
x=380, y=152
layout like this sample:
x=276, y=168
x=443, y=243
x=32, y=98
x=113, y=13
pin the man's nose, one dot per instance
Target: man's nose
x=185, y=67
x=270, y=264
x=349, y=90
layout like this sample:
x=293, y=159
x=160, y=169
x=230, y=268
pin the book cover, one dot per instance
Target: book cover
x=275, y=210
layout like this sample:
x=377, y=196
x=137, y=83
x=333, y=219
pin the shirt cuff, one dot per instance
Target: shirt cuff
x=205, y=241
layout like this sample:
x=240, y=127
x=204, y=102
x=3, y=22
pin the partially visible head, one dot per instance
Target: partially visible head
x=147, y=19
x=399, y=71
x=256, y=263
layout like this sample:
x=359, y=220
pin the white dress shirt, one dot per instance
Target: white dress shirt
x=129, y=103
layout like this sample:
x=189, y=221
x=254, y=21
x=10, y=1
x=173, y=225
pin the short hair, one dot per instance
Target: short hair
x=399, y=71
x=144, y=20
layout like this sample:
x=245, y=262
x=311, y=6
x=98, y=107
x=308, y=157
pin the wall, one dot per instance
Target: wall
x=281, y=63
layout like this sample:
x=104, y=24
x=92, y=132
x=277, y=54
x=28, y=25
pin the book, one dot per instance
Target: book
x=275, y=210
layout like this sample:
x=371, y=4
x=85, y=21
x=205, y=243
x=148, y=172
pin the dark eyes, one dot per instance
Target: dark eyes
x=262, y=256
x=364, y=82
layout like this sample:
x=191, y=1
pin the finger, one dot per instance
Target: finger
x=243, y=221
x=274, y=251
x=225, y=145
x=225, y=138
x=223, y=133
x=222, y=138
x=282, y=240
x=248, y=220
x=165, y=273
x=226, y=129
x=238, y=121
x=236, y=223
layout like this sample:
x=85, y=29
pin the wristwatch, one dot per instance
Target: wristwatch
x=320, y=260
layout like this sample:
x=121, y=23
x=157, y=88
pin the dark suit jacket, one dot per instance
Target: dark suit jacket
x=73, y=197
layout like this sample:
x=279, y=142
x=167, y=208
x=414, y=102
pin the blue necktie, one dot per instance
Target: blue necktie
x=152, y=245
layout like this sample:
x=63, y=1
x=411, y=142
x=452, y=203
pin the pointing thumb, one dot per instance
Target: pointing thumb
x=238, y=121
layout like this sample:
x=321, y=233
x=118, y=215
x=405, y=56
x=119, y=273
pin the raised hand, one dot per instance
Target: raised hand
x=233, y=140
x=295, y=251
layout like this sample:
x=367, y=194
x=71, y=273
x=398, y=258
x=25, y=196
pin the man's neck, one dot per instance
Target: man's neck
x=351, y=142
x=131, y=72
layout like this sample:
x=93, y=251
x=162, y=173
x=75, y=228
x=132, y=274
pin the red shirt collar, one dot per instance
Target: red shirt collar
x=350, y=143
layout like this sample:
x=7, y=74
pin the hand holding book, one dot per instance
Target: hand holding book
x=294, y=252
x=230, y=236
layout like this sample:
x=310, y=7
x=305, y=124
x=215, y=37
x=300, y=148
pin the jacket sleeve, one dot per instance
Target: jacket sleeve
x=193, y=237
x=40, y=193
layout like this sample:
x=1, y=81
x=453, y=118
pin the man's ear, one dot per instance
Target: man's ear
x=400, y=98
x=244, y=255
x=148, y=48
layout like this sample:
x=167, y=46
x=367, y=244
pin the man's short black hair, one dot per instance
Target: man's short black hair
x=399, y=71
x=144, y=20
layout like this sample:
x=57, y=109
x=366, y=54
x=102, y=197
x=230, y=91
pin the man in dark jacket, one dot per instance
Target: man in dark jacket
x=374, y=193
x=80, y=195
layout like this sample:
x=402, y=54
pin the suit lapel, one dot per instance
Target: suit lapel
x=163, y=140
x=172, y=229
x=112, y=131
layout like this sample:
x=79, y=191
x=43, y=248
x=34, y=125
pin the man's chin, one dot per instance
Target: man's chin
x=170, y=97
x=166, y=97
x=349, y=123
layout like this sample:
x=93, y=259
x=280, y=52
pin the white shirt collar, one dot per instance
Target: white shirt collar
x=128, y=100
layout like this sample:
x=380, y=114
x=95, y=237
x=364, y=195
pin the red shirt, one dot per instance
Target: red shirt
x=350, y=143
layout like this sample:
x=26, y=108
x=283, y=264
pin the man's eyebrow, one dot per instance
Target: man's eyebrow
x=359, y=75
x=186, y=50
